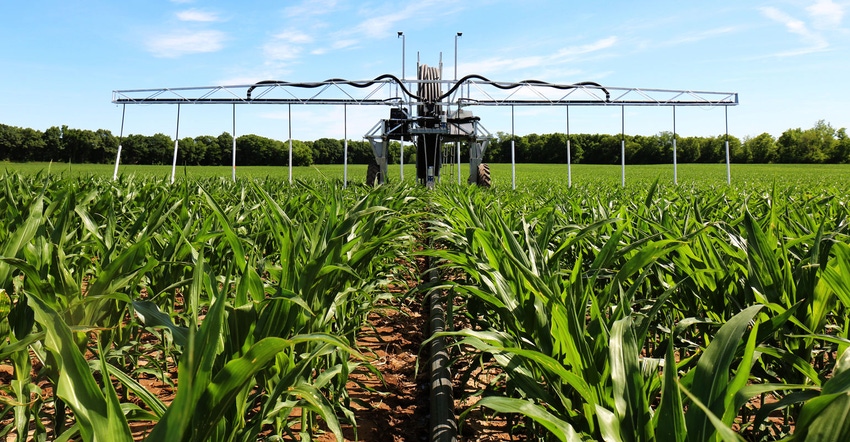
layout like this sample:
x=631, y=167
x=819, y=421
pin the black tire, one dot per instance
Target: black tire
x=372, y=173
x=484, y=175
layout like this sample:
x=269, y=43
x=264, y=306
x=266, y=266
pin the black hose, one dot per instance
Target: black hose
x=364, y=84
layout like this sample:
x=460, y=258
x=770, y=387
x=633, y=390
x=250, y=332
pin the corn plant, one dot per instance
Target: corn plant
x=256, y=296
x=570, y=302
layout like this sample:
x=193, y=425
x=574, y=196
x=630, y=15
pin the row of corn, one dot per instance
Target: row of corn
x=677, y=313
x=642, y=313
x=244, y=298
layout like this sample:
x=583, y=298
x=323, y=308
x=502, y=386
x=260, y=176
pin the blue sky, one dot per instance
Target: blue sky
x=61, y=60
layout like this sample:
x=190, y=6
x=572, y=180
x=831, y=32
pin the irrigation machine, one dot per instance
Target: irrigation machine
x=433, y=114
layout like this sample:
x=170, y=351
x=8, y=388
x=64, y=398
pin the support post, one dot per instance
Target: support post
x=176, y=143
x=457, y=145
x=675, y=164
x=290, y=143
x=513, y=151
x=728, y=167
x=233, y=160
x=623, y=146
x=120, y=139
x=569, y=154
x=345, y=146
x=401, y=160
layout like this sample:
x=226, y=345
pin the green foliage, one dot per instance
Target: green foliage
x=566, y=293
x=644, y=312
x=201, y=271
x=821, y=144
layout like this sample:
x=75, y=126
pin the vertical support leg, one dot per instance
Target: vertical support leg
x=569, y=153
x=675, y=163
x=233, y=160
x=513, y=152
x=382, y=161
x=475, y=158
x=176, y=143
x=290, y=143
x=728, y=167
x=376, y=172
x=623, y=146
x=345, y=146
x=120, y=139
x=457, y=146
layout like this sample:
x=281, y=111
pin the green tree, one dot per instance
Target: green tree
x=105, y=147
x=554, y=148
x=360, y=152
x=10, y=142
x=820, y=142
x=54, y=149
x=763, y=148
x=842, y=151
x=689, y=149
x=33, y=147
x=225, y=149
x=327, y=151
x=789, y=146
x=302, y=155
x=207, y=145
x=256, y=150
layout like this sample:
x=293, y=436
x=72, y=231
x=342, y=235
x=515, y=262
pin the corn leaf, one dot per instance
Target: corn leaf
x=97, y=412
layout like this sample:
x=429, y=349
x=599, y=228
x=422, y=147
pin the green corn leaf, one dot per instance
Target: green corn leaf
x=834, y=274
x=630, y=403
x=153, y=402
x=609, y=424
x=21, y=236
x=840, y=380
x=232, y=378
x=151, y=316
x=765, y=273
x=99, y=417
x=559, y=428
x=669, y=418
x=320, y=403
x=711, y=378
x=722, y=430
x=742, y=376
x=825, y=418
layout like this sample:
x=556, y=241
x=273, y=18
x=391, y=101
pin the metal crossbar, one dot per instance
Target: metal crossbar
x=383, y=91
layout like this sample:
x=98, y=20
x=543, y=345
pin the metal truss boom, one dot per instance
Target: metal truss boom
x=387, y=90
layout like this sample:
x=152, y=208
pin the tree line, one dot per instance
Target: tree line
x=819, y=144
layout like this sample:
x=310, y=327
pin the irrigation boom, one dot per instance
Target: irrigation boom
x=430, y=112
x=388, y=90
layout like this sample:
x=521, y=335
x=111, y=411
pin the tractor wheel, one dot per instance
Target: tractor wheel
x=484, y=175
x=372, y=173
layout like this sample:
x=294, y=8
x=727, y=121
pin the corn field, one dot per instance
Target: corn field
x=650, y=312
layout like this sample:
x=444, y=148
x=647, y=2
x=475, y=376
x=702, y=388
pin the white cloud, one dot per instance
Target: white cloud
x=699, y=36
x=294, y=37
x=814, y=41
x=286, y=46
x=281, y=51
x=563, y=56
x=311, y=8
x=181, y=43
x=826, y=14
x=197, y=15
x=595, y=46
x=382, y=25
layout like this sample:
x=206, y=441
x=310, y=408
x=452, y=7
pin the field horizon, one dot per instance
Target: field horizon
x=823, y=174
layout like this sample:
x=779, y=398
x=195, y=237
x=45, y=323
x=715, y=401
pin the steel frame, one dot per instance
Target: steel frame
x=388, y=90
x=381, y=91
